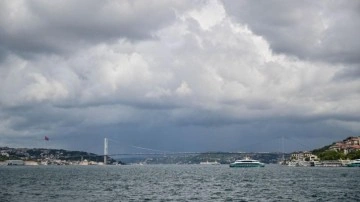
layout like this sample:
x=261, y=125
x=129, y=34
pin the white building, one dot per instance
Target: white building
x=303, y=156
x=15, y=162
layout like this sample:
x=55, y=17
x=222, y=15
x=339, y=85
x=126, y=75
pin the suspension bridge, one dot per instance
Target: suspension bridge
x=155, y=152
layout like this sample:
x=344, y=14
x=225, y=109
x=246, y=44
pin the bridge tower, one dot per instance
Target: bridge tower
x=105, y=150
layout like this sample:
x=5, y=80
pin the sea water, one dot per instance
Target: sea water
x=178, y=183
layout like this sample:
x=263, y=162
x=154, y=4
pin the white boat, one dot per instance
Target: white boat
x=293, y=163
x=247, y=162
x=209, y=163
x=354, y=163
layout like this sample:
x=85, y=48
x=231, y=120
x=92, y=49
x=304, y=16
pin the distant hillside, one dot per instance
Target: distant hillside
x=322, y=149
x=7, y=153
x=221, y=157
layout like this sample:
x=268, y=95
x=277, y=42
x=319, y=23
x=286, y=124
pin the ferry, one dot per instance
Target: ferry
x=354, y=163
x=247, y=162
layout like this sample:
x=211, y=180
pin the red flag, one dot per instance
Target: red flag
x=46, y=138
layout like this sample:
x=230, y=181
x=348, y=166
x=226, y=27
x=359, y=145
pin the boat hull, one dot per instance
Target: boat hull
x=246, y=165
x=353, y=165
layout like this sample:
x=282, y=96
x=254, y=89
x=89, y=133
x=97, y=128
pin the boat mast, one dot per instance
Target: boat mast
x=105, y=150
x=283, y=155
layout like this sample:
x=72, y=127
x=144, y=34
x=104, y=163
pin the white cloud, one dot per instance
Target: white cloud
x=211, y=14
x=226, y=64
x=202, y=67
x=43, y=89
x=183, y=89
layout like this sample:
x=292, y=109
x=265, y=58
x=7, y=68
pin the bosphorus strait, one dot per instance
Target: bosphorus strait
x=178, y=183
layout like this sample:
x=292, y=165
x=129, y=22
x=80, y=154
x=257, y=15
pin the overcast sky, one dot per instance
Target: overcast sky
x=179, y=75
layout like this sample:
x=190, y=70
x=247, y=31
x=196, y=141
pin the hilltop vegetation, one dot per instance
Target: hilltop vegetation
x=322, y=149
x=336, y=155
x=345, y=149
x=331, y=155
x=3, y=158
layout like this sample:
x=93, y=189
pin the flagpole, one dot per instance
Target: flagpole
x=46, y=138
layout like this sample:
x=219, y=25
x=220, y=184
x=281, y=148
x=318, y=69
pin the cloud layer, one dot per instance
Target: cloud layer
x=178, y=75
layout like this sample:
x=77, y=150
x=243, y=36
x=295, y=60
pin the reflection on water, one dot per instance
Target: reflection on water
x=178, y=183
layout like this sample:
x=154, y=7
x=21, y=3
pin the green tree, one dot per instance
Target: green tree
x=353, y=155
x=331, y=155
x=3, y=158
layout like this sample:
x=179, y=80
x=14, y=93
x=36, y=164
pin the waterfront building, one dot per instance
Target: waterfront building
x=348, y=145
x=303, y=156
x=15, y=162
x=31, y=163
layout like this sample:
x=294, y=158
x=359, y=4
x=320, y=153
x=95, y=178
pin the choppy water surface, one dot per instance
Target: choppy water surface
x=178, y=183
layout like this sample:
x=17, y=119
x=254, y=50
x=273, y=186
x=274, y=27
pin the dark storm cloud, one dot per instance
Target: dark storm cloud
x=350, y=73
x=39, y=119
x=234, y=138
x=315, y=30
x=63, y=26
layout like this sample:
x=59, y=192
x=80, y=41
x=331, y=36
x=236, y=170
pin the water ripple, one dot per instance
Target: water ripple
x=177, y=183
